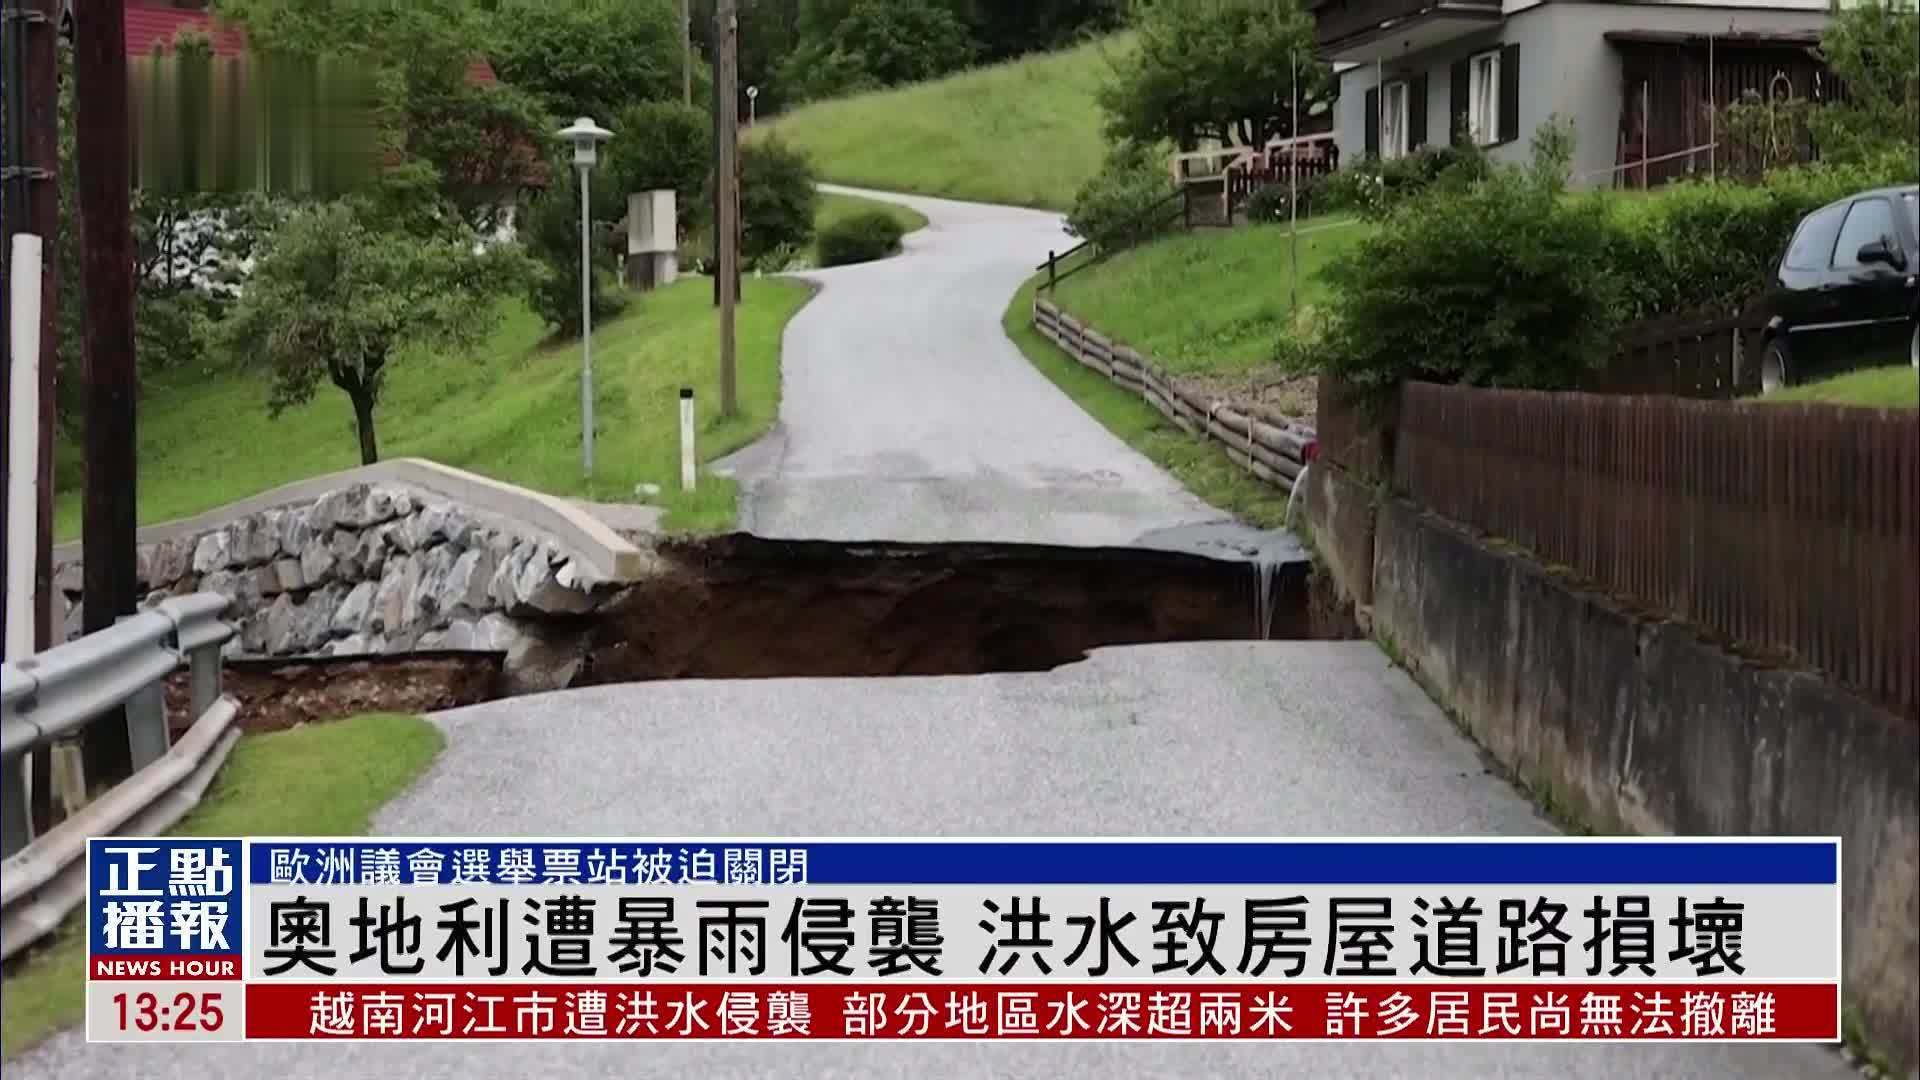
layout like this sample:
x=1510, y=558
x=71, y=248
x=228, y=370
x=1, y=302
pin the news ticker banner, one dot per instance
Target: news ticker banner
x=871, y=940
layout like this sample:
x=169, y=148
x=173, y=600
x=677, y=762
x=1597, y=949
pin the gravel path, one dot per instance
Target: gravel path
x=908, y=415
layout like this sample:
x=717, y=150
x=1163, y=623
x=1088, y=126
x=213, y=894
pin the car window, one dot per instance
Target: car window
x=1869, y=220
x=1813, y=244
x=1912, y=202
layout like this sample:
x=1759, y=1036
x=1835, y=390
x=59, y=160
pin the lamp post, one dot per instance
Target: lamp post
x=586, y=137
x=753, y=112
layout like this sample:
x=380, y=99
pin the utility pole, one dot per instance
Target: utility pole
x=40, y=76
x=102, y=151
x=726, y=78
x=686, y=50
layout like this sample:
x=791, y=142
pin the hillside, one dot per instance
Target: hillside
x=510, y=411
x=1023, y=133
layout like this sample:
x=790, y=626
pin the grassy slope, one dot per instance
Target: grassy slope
x=510, y=412
x=1208, y=302
x=1197, y=463
x=321, y=780
x=837, y=208
x=1883, y=388
x=1024, y=133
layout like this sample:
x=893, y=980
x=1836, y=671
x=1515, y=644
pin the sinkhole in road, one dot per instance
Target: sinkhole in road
x=746, y=607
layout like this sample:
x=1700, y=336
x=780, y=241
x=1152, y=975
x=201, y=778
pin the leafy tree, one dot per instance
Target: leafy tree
x=551, y=233
x=332, y=298
x=1007, y=28
x=591, y=57
x=1123, y=204
x=1874, y=46
x=850, y=45
x=661, y=145
x=1214, y=69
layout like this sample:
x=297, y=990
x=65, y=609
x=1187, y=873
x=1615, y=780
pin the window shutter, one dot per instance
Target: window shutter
x=1417, y=113
x=1373, y=122
x=1457, y=96
x=1509, y=93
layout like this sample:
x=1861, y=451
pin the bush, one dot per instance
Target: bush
x=1116, y=208
x=1715, y=243
x=1271, y=205
x=1496, y=283
x=863, y=237
x=1371, y=187
x=778, y=199
x=551, y=233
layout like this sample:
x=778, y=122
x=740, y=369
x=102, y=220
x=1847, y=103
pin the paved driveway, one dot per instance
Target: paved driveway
x=1298, y=739
x=908, y=415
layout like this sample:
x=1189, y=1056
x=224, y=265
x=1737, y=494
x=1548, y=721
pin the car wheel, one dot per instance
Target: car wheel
x=1775, y=365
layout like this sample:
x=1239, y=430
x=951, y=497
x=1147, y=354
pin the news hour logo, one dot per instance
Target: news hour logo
x=165, y=908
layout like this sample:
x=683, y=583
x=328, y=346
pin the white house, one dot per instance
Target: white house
x=1635, y=79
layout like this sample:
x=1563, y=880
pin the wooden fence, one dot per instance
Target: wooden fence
x=1787, y=530
x=1274, y=454
x=1700, y=354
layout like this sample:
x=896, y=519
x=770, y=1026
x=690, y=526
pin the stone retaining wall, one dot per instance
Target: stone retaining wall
x=373, y=569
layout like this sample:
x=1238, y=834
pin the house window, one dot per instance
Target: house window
x=1393, y=121
x=1483, y=112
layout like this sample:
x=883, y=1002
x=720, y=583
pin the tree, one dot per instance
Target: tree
x=854, y=44
x=661, y=145
x=1874, y=47
x=1214, y=69
x=590, y=57
x=332, y=298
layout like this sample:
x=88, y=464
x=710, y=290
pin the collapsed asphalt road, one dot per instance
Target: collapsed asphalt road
x=1298, y=738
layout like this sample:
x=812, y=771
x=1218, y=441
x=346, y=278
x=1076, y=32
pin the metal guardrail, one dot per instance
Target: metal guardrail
x=57, y=693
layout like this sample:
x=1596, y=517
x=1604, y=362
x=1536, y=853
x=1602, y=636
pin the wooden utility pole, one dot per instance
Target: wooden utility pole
x=727, y=179
x=40, y=75
x=686, y=50
x=103, y=152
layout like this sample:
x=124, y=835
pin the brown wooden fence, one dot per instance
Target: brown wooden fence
x=1790, y=530
x=1696, y=355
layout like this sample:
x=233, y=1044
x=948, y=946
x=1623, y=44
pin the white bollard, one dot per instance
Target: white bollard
x=687, y=470
x=23, y=445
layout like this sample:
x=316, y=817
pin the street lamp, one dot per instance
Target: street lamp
x=586, y=137
x=753, y=92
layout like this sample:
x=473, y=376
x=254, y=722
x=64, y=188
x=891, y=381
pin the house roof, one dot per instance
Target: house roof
x=155, y=27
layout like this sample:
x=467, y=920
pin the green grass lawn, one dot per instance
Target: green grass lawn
x=510, y=411
x=1023, y=133
x=320, y=780
x=1896, y=387
x=1195, y=462
x=837, y=208
x=1208, y=302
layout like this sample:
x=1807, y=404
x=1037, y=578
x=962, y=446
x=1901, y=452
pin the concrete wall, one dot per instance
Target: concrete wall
x=1637, y=725
x=1566, y=67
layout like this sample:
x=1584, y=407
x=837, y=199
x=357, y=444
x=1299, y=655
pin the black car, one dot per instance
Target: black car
x=1848, y=291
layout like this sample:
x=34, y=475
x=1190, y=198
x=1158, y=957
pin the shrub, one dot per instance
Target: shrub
x=778, y=199
x=1371, y=187
x=860, y=238
x=551, y=233
x=1715, y=243
x=1271, y=205
x=1495, y=283
x=1116, y=208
